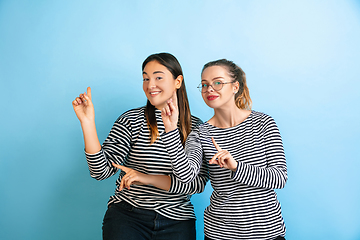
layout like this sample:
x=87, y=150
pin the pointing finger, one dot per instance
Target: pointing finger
x=215, y=144
x=174, y=98
x=89, y=92
x=123, y=168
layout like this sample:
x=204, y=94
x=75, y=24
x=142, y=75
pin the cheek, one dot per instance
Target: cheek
x=204, y=97
x=145, y=86
x=169, y=88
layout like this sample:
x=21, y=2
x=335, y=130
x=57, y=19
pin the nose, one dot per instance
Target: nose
x=210, y=90
x=151, y=83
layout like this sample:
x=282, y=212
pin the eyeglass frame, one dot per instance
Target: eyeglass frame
x=210, y=85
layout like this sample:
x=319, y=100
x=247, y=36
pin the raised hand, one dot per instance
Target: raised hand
x=223, y=158
x=83, y=107
x=170, y=114
x=131, y=177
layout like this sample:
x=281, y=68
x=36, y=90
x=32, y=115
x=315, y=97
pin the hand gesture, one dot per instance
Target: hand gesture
x=223, y=158
x=131, y=177
x=84, y=107
x=170, y=114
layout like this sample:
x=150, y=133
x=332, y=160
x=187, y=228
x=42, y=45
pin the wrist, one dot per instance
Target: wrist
x=234, y=168
x=170, y=128
x=87, y=122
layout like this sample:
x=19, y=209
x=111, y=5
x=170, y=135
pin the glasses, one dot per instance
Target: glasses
x=216, y=85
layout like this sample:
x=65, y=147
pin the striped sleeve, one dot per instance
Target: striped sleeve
x=115, y=149
x=196, y=186
x=186, y=164
x=274, y=175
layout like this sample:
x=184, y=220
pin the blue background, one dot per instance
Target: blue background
x=302, y=64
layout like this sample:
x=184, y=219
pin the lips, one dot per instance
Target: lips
x=155, y=93
x=212, y=97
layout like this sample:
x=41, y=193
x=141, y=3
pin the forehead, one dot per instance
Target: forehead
x=214, y=72
x=155, y=67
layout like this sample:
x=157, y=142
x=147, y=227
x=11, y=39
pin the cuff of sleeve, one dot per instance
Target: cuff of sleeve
x=168, y=136
x=238, y=173
x=93, y=154
x=173, y=185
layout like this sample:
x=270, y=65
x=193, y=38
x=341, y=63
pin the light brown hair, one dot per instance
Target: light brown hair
x=242, y=97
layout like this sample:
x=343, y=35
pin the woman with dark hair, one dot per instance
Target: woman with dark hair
x=149, y=202
x=245, y=155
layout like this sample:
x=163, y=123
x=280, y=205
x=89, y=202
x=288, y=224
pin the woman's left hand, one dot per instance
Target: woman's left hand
x=131, y=177
x=223, y=158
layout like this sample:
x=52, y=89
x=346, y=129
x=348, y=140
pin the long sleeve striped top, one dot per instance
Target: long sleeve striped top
x=243, y=204
x=128, y=143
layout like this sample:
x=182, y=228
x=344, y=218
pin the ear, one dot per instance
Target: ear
x=178, y=81
x=236, y=86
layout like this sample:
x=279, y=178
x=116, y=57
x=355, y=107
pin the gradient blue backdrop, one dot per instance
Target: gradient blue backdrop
x=301, y=59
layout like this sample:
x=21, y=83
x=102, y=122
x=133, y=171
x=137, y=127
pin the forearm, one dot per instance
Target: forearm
x=160, y=181
x=185, y=166
x=196, y=186
x=91, y=140
x=274, y=177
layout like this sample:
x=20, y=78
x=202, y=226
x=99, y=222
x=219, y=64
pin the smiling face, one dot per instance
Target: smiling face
x=217, y=75
x=159, y=84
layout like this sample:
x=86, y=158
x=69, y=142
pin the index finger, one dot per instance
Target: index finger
x=89, y=92
x=125, y=169
x=215, y=144
x=174, y=99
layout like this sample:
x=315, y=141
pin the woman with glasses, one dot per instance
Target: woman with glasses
x=153, y=204
x=245, y=155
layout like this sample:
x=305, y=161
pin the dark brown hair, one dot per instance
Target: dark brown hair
x=172, y=64
x=242, y=97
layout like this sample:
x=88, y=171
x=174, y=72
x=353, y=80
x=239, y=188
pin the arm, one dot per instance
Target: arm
x=167, y=183
x=84, y=110
x=186, y=164
x=115, y=147
x=135, y=177
x=114, y=150
x=191, y=175
x=195, y=186
x=275, y=174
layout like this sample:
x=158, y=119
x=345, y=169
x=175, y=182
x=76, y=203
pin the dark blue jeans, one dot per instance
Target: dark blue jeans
x=123, y=221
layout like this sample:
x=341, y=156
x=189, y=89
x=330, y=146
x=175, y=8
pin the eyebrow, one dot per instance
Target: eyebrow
x=154, y=72
x=213, y=79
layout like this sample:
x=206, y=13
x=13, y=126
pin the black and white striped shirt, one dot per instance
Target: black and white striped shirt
x=128, y=143
x=243, y=204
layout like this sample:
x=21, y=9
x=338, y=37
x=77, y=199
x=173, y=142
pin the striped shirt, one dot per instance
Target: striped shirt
x=128, y=144
x=243, y=204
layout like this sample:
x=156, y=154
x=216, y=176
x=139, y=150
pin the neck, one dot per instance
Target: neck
x=228, y=117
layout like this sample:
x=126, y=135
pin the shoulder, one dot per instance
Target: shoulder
x=260, y=116
x=132, y=115
x=263, y=120
x=195, y=122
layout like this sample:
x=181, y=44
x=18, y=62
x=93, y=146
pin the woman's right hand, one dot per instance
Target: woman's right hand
x=83, y=107
x=170, y=114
